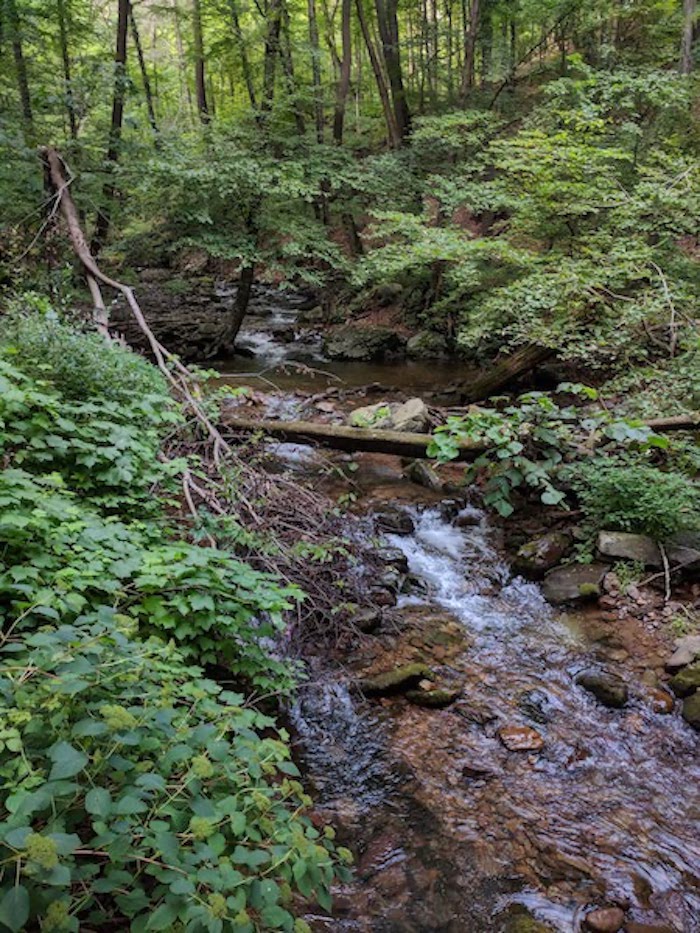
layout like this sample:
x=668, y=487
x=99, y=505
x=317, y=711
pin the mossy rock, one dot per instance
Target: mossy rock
x=686, y=681
x=434, y=698
x=394, y=681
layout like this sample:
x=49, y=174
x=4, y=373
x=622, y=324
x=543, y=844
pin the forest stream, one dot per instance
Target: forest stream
x=524, y=801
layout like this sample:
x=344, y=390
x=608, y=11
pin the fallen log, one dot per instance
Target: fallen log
x=352, y=440
x=398, y=443
x=503, y=372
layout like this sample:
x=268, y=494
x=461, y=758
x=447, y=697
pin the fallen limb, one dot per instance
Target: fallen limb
x=505, y=371
x=340, y=437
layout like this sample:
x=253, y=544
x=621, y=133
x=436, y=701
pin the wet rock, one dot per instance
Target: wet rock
x=426, y=345
x=412, y=415
x=478, y=771
x=468, y=518
x=573, y=582
x=434, y=697
x=394, y=681
x=605, y=920
x=691, y=711
x=395, y=521
x=522, y=921
x=424, y=475
x=659, y=700
x=450, y=508
x=542, y=553
x=351, y=342
x=608, y=689
x=383, y=597
x=632, y=927
x=687, y=651
x=686, y=681
x=393, y=557
x=639, y=548
x=536, y=705
x=520, y=738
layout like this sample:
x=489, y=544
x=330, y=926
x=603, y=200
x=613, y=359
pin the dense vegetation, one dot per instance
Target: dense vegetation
x=518, y=176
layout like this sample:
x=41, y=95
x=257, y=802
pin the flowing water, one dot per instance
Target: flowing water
x=453, y=830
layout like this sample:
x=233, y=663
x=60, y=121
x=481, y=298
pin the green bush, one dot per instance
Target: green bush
x=137, y=793
x=80, y=365
x=639, y=498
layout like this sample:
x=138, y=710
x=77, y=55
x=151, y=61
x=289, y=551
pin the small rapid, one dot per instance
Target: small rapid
x=606, y=812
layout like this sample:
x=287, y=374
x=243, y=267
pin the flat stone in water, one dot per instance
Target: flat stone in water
x=608, y=689
x=520, y=739
x=394, y=681
x=574, y=582
x=605, y=920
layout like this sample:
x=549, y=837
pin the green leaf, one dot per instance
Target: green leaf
x=98, y=801
x=14, y=908
x=68, y=761
x=162, y=917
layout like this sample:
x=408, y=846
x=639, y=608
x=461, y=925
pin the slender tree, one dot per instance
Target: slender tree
x=145, y=80
x=65, y=58
x=199, y=70
x=344, y=77
x=14, y=29
x=690, y=13
x=316, y=69
x=389, y=33
x=103, y=221
x=393, y=132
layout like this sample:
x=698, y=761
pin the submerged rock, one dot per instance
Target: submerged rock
x=691, y=711
x=605, y=920
x=686, y=681
x=573, y=582
x=520, y=738
x=542, y=553
x=608, y=689
x=536, y=705
x=394, y=681
x=659, y=700
x=433, y=697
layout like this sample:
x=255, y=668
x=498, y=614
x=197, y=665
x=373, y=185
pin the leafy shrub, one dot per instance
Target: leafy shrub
x=635, y=497
x=80, y=365
x=528, y=443
x=135, y=791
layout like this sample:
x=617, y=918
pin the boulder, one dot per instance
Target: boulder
x=608, y=689
x=520, y=739
x=412, y=415
x=573, y=582
x=355, y=342
x=691, y=711
x=542, y=553
x=426, y=345
x=687, y=651
x=686, y=681
x=372, y=416
x=605, y=920
x=684, y=548
x=639, y=548
x=394, y=681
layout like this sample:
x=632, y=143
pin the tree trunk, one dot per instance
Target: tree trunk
x=184, y=83
x=65, y=57
x=242, y=51
x=115, y=132
x=392, y=128
x=144, y=74
x=246, y=280
x=389, y=33
x=502, y=373
x=15, y=31
x=689, y=25
x=316, y=69
x=199, y=77
x=272, y=43
x=344, y=78
x=470, y=48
